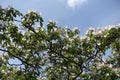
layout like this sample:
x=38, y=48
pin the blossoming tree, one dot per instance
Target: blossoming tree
x=51, y=52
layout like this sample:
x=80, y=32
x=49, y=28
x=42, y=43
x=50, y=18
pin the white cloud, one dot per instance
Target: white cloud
x=74, y=3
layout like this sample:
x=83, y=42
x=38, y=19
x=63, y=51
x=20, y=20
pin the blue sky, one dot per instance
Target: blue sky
x=72, y=13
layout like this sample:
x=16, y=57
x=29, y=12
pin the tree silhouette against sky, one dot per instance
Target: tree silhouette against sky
x=50, y=52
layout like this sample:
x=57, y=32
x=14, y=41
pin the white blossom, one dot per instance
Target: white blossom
x=70, y=39
x=82, y=38
x=26, y=55
x=9, y=7
x=88, y=38
x=110, y=27
x=97, y=31
x=84, y=72
x=75, y=28
x=5, y=54
x=110, y=65
x=3, y=71
x=55, y=29
x=23, y=39
x=29, y=11
x=23, y=19
x=4, y=60
x=38, y=78
x=54, y=41
x=66, y=35
x=8, y=71
x=66, y=27
x=87, y=32
x=11, y=22
x=113, y=51
x=74, y=37
x=116, y=69
x=104, y=64
x=64, y=67
x=67, y=46
x=105, y=35
x=50, y=21
x=98, y=43
x=35, y=11
x=42, y=28
x=105, y=28
x=91, y=28
x=107, y=74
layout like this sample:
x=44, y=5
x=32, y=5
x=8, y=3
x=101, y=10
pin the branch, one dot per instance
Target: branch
x=77, y=75
x=16, y=57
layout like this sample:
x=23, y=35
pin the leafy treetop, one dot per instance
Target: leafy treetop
x=51, y=52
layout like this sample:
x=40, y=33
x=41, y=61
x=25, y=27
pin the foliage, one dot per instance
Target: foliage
x=54, y=53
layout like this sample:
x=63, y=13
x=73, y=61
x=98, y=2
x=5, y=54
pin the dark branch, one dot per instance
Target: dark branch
x=17, y=57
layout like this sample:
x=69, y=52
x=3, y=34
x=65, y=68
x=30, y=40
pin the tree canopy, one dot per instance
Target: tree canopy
x=52, y=52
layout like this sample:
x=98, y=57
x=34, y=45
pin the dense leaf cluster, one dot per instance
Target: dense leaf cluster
x=51, y=52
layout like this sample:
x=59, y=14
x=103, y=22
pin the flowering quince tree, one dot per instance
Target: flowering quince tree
x=51, y=52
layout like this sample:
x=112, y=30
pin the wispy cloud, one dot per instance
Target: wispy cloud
x=74, y=3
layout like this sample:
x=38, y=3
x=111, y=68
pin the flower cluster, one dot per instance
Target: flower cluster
x=100, y=30
x=34, y=11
